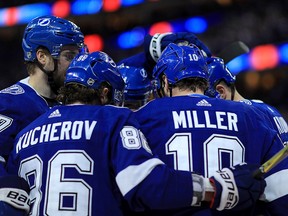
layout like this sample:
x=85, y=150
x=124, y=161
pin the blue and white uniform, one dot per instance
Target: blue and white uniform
x=20, y=104
x=203, y=134
x=83, y=159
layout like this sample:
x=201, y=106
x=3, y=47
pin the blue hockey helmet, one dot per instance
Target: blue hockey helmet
x=91, y=70
x=180, y=62
x=218, y=71
x=52, y=33
x=138, y=87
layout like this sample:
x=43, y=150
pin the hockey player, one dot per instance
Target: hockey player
x=222, y=85
x=190, y=131
x=84, y=158
x=154, y=46
x=138, y=86
x=49, y=44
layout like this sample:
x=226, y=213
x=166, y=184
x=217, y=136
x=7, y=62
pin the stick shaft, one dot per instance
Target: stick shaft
x=272, y=162
x=232, y=51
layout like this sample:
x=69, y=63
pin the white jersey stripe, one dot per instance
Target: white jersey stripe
x=130, y=177
x=276, y=186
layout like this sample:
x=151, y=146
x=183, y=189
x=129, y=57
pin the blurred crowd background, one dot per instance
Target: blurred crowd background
x=118, y=27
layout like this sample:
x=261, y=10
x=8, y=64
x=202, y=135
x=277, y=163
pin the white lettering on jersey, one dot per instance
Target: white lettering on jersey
x=190, y=119
x=66, y=130
x=281, y=124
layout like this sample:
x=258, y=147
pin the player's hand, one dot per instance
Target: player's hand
x=235, y=188
x=154, y=45
x=14, y=196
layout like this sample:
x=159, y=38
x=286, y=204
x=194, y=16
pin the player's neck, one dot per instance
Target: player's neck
x=238, y=97
x=39, y=82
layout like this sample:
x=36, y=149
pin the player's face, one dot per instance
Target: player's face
x=66, y=56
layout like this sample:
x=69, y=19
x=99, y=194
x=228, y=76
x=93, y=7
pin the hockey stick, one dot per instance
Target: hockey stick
x=232, y=51
x=272, y=162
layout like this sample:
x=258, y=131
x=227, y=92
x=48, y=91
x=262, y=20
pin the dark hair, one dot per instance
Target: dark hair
x=74, y=92
x=31, y=65
x=192, y=83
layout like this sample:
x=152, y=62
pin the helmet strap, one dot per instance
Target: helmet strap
x=232, y=87
x=170, y=89
x=161, y=91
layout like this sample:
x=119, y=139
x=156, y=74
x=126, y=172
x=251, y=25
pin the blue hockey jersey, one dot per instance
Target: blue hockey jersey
x=277, y=120
x=92, y=160
x=202, y=135
x=19, y=105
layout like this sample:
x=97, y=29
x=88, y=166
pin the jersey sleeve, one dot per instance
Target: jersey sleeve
x=8, y=128
x=143, y=179
x=275, y=195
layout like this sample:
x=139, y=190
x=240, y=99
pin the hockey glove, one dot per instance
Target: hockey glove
x=14, y=196
x=156, y=44
x=235, y=188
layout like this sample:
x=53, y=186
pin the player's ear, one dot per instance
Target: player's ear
x=165, y=84
x=222, y=91
x=104, y=95
x=41, y=56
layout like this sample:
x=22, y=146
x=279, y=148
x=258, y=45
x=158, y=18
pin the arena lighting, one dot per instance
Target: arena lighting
x=260, y=58
x=11, y=16
x=160, y=27
x=239, y=64
x=131, y=39
x=196, y=25
x=283, y=53
x=131, y=2
x=264, y=57
x=94, y=42
x=61, y=8
x=81, y=7
x=26, y=13
x=111, y=5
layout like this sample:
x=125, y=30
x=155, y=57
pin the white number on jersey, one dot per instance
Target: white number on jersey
x=180, y=146
x=57, y=186
x=132, y=138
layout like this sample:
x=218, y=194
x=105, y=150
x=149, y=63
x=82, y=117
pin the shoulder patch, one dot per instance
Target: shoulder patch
x=5, y=122
x=14, y=90
x=248, y=102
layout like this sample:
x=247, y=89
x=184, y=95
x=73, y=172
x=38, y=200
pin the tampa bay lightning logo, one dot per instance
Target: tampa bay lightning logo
x=143, y=73
x=44, y=21
x=246, y=101
x=14, y=90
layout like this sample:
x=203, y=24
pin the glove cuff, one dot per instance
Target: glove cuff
x=201, y=186
x=226, y=193
x=15, y=197
x=155, y=45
